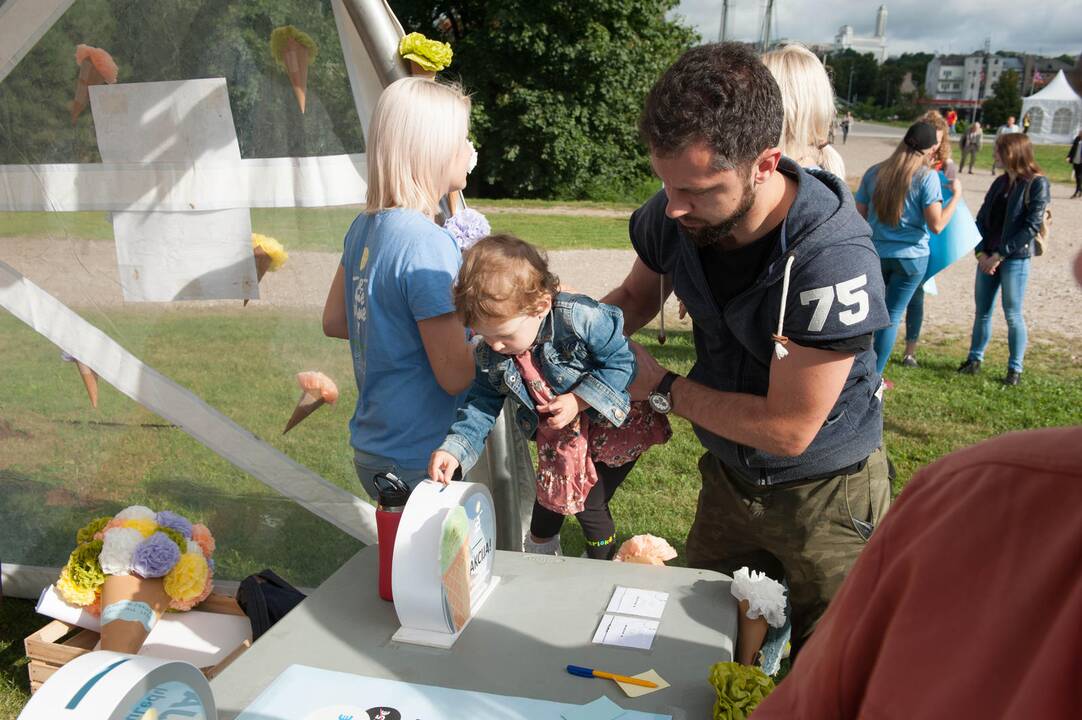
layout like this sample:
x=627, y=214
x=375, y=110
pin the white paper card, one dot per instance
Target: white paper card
x=626, y=632
x=636, y=601
x=201, y=638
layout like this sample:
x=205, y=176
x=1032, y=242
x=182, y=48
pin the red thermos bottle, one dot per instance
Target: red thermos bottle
x=392, y=494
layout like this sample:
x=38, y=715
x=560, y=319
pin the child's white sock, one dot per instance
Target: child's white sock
x=549, y=547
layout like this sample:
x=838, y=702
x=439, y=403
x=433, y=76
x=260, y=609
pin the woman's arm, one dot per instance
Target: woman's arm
x=450, y=356
x=937, y=215
x=334, y=309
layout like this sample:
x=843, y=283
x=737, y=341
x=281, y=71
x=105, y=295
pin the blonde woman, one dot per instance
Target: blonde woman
x=391, y=295
x=940, y=160
x=808, y=101
x=902, y=200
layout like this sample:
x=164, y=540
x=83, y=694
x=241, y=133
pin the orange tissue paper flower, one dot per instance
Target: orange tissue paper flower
x=645, y=549
x=319, y=385
x=201, y=535
x=101, y=60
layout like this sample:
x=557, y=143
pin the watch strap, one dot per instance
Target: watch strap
x=665, y=386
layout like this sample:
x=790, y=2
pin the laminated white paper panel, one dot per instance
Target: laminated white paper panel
x=165, y=256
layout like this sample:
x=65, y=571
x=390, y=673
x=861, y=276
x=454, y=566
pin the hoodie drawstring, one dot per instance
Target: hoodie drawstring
x=780, y=340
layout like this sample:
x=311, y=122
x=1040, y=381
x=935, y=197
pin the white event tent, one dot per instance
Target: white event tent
x=1055, y=112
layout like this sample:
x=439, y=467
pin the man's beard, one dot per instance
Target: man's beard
x=714, y=234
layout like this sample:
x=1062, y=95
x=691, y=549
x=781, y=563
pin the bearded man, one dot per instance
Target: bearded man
x=781, y=280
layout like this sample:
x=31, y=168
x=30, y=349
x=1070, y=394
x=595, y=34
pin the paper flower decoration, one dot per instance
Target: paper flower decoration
x=185, y=581
x=136, y=512
x=740, y=689
x=316, y=390
x=155, y=556
x=431, y=56
x=645, y=549
x=96, y=67
x=201, y=535
x=764, y=595
x=169, y=519
x=294, y=50
x=117, y=550
x=269, y=254
x=467, y=226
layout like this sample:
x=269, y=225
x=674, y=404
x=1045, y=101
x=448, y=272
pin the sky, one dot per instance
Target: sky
x=959, y=26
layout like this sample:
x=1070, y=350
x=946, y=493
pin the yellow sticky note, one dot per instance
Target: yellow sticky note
x=637, y=690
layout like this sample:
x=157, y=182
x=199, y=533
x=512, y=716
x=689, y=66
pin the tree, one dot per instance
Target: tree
x=557, y=87
x=1006, y=100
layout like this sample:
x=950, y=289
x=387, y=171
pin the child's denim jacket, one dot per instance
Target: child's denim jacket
x=580, y=348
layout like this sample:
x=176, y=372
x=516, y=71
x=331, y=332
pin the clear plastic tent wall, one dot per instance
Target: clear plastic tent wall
x=127, y=214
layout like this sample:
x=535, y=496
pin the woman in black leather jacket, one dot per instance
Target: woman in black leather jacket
x=1009, y=220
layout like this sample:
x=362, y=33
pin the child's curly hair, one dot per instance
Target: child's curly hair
x=502, y=277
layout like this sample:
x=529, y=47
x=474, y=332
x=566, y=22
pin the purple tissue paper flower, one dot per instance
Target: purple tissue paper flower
x=467, y=226
x=155, y=556
x=169, y=519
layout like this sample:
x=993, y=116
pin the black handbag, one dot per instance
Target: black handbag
x=266, y=599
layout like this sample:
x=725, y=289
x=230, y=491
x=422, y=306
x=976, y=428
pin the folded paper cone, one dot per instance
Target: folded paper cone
x=262, y=264
x=296, y=60
x=307, y=405
x=127, y=636
x=88, y=75
x=90, y=380
x=418, y=71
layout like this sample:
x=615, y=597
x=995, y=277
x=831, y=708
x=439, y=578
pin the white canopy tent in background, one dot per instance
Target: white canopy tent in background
x=1055, y=112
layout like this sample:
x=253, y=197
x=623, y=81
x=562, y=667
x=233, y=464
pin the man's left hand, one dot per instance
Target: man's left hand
x=648, y=374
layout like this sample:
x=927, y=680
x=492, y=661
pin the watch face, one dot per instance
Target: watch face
x=660, y=403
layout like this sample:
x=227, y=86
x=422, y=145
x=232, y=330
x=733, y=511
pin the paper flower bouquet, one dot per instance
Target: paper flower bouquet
x=426, y=57
x=132, y=567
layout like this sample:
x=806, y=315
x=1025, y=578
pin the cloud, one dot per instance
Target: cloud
x=913, y=26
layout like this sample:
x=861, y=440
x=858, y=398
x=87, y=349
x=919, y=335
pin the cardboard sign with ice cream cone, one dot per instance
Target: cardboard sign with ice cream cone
x=443, y=561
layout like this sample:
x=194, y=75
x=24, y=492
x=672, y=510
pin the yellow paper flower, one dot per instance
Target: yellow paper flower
x=72, y=592
x=187, y=578
x=146, y=528
x=273, y=248
x=432, y=55
x=280, y=37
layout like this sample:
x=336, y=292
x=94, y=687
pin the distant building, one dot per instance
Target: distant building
x=1039, y=71
x=876, y=44
x=966, y=81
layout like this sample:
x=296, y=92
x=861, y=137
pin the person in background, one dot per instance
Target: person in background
x=902, y=200
x=1008, y=128
x=971, y=145
x=940, y=161
x=847, y=121
x=1009, y=220
x=1074, y=156
x=808, y=99
x=1025, y=124
x=391, y=294
x=951, y=118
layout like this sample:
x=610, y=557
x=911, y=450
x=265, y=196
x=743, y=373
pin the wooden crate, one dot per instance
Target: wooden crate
x=58, y=643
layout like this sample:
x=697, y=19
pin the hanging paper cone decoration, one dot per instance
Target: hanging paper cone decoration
x=317, y=390
x=124, y=635
x=418, y=71
x=96, y=67
x=262, y=264
x=90, y=380
x=296, y=59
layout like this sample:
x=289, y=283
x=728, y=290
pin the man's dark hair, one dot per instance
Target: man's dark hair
x=720, y=94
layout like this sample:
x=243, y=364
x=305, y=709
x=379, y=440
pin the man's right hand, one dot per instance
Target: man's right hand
x=442, y=466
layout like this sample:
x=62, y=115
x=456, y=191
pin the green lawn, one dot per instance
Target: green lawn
x=64, y=463
x=1051, y=158
x=322, y=229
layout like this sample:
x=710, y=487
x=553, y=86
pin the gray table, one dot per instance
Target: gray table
x=540, y=618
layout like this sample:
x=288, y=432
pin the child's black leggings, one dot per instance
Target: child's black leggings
x=595, y=518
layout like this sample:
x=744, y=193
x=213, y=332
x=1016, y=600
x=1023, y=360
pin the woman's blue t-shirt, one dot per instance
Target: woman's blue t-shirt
x=909, y=238
x=399, y=270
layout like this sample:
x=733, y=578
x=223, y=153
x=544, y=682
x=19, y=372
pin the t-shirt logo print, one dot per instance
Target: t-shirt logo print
x=849, y=294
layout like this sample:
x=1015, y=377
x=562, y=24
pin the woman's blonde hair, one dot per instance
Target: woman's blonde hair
x=808, y=100
x=502, y=277
x=893, y=181
x=418, y=128
x=943, y=152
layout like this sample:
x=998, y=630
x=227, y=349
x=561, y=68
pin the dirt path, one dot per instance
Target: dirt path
x=83, y=273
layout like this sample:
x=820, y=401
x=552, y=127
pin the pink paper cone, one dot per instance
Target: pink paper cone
x=262, y=264
x=88, y=75
x=296, y=59
x=418, y=71
x=90, y=380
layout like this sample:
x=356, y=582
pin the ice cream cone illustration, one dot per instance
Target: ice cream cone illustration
x=417, y=70
x=90, y=378
x=316, y=390
x=294, y=50
x=96, y=67
x=455, y=567
x=130, y=607
x=269, y=256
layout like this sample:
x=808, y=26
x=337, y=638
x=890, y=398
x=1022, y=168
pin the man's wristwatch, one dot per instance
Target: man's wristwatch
x=661, y=397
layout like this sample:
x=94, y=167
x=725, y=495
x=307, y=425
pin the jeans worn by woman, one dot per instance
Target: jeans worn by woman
x=1012, y=275
x=902, y=276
